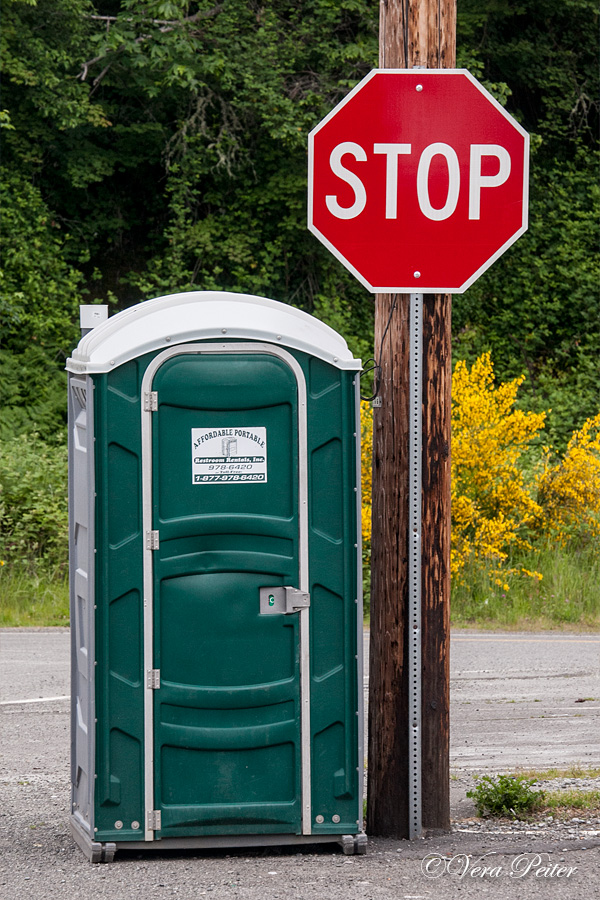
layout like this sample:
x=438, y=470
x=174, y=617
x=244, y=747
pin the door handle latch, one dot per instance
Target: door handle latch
x=278, y=600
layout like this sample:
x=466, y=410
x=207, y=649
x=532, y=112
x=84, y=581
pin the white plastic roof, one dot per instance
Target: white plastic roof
x=205, y=315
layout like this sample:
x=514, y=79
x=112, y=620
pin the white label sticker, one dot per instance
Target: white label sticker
x=229, y=455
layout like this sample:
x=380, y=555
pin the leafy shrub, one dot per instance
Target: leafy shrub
x=39, y=315
x=366, y=458
x=505, y=795
x=510, y=495
x=569, y=489
x=516, y=508
x=33, y=504
x=493, y=506
x=40, y=291
x=33, y=392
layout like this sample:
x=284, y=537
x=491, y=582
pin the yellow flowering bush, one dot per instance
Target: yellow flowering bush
x=492, y=504
x=507, y=491
x=569, y=490
x=366, y=458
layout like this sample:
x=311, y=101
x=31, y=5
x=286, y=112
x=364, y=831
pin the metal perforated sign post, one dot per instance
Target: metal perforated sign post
x=414, y=567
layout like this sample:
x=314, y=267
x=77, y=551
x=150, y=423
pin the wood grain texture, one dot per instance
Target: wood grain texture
x=435, y=562
x=387, y=807
x=412, y=33
x=417, y=33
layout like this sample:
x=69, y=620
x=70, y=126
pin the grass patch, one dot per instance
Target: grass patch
x=567, y=596
x=572, y=799
x=574, y=771
x=28, y=600
x=519, y=797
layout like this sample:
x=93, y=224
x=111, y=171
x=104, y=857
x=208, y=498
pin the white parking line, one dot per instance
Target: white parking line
x=33, y=700
x=507, y=639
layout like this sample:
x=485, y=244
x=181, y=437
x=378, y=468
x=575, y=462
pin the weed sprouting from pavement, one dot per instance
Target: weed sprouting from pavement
x=505, y=795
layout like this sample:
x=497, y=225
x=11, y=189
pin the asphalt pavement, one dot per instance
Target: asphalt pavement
x=517, y=701
x=524, y=700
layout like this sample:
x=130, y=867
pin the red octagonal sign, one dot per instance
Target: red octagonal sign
x=418, y=180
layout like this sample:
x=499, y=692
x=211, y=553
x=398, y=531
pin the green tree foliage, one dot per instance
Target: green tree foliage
x=248, y=83
x=186, y=162
x=161, y=145
x=38, y=311
x=33, y=513
x=158, y=146
x=40, y=286
x=167, y=142
x=538, y=308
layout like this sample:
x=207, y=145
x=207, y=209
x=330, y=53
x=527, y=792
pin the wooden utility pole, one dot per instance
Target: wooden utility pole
x=412, y=33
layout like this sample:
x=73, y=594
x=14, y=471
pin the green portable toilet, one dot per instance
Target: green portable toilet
x=216, y=607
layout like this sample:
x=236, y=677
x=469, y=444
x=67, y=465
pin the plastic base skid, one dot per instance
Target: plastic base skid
x=99, y=852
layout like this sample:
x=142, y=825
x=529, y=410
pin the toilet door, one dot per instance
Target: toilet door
x=225, y=450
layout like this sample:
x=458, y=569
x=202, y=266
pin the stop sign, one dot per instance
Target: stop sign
x=418, y=180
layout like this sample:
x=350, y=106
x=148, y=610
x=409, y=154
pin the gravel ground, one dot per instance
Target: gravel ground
x=39, y=860
x=562, y=825
x=481, y=857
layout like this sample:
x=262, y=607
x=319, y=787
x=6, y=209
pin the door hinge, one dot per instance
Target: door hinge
x=152, y=540
x=150, y=401
x=153, y=679
x=154, y=820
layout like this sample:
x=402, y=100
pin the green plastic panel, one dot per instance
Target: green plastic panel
x=119, y=800
x=336, y=790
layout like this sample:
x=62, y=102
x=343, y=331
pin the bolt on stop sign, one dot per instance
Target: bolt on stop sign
x=418, y=180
